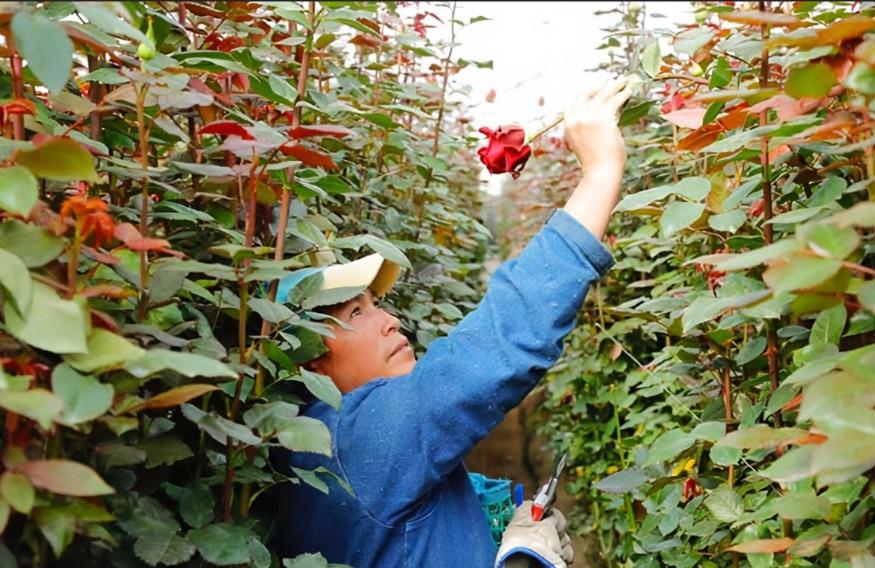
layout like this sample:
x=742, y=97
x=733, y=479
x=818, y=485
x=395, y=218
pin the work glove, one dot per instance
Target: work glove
x=530, y=544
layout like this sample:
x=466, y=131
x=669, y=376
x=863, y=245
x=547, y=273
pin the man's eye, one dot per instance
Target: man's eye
x=355, y=312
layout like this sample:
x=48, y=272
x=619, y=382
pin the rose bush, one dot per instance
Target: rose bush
x=164, y=165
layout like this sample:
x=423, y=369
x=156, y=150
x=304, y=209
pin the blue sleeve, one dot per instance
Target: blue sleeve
x=397, y=438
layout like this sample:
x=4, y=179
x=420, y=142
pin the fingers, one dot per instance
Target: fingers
x=616, y=102
x=606, y=96
x=610, y=89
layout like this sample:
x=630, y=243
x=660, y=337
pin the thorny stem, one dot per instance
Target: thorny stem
x=18, y=93
x=771, y=336
x=142, y=303
x=440, y=117
x=283, y=222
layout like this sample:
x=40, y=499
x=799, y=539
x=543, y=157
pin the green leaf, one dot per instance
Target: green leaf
x=668, y=445
x=314, y=560
x=18, y=190
x=321, y=386
x=812, y=80
x=830, y=241
x=709, y=431
x=311, y=479
x=196, y=505
x=84, y=397
x=622, y=481
x=795, y=465
x=45, y=46
x=145, y=516
x=632, y=113
x=761, y=436
x=210, y=170
x=106, y=76
x=725, y=504
x=105, y=351
x=305, y=434
x=694, y=188
x=65, y=477
x=17, y=490
x=866, y=295
x=739, y=140
x=270, y=311
x=751, y=350
x=114, y=454
x=800, y=506
x=15, y=282
x=6, y=558
x=812, y=370
x=757, y=256
x=57, y=525
x=724, y=455
x=37, y=404
x=692, y=40
x=164, y=450
x=679, y=215
x=60, y=159
x=721, y=74
x=110, y=22
x=862, y=78
x=220, y=428
x=282, y=89
x=267, y=419
x=34, y=245
x=727, y=222
x=800, y=271
x=53, y=324
x=163, y=547
x=651, y=58
x=222, y=544
x=828, y=192
x=187, y=364
x=828, y=326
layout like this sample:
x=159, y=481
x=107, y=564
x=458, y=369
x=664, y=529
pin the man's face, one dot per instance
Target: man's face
x=371, y=348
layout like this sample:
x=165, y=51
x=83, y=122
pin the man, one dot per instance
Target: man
x=404, y=427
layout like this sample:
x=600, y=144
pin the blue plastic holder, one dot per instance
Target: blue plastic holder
x=495, y=498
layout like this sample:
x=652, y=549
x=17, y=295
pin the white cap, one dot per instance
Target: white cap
x=372, y=271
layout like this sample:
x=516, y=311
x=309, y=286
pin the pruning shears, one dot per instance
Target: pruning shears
x=547, y=493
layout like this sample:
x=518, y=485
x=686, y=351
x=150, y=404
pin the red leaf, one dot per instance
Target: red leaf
x=756, y=18
x=108, y=291
x=700, y=137
x=763, y=545
x=104, y=320
x=131, y=237
x=174, y=396
x=786, y=107
x=686, y=117
x=307, y=130
x=103, y=257
x=310, y=158
x=227, y=128
x=65, y=477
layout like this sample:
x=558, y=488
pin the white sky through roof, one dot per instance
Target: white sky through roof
x=538, y=49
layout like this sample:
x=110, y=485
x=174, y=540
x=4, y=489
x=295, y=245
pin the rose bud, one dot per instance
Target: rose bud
x=506, y=151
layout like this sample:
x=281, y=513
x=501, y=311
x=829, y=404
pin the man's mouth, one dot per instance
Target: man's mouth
x=400, y=347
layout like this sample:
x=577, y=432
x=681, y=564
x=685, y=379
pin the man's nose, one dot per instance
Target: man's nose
x=391, y=324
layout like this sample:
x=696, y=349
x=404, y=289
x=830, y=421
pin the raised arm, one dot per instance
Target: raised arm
x=427, y=421
x=591, y=132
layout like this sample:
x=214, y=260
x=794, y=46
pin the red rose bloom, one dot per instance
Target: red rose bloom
x=506, y=151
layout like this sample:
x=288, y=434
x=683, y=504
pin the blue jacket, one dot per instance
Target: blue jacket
x=399, y=443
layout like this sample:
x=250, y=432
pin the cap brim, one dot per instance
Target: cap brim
x=372, y=271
